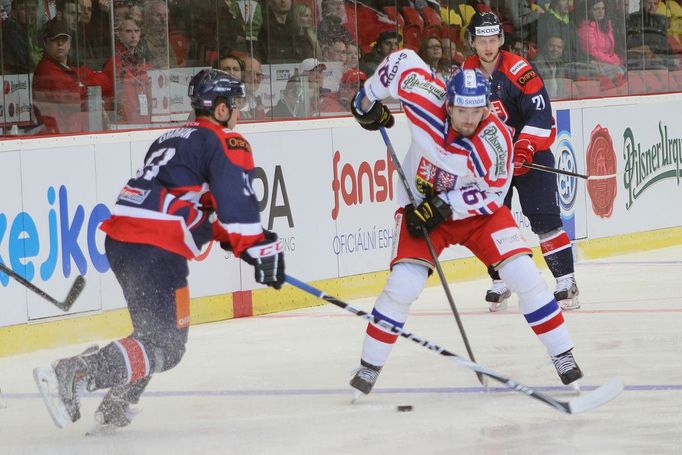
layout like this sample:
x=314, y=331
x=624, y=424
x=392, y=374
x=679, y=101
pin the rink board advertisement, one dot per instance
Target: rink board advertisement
x=642, y=146
x=327, y=187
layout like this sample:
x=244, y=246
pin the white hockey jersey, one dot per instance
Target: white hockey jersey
x=472, y=173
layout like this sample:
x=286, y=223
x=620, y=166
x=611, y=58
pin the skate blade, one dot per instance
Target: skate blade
x=569, y=304
x=99, y=429
x=48, y=386
x=356, y=396
x=575, y=386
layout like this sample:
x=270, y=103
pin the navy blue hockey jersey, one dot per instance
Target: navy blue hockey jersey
x=195, y=187
x=519, y=98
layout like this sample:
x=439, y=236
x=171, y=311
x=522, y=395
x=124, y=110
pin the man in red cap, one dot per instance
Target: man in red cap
x=60, y=91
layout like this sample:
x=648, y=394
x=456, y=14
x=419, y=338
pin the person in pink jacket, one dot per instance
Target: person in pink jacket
x=596, y=37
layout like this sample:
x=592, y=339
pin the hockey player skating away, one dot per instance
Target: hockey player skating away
x=194, y=187
x=459, y=169
x=519, y=98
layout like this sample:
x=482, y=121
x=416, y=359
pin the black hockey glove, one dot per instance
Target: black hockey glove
x=377, y=116
x=267, y=259
x=429, y=214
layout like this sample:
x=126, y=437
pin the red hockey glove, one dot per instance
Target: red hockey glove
x=430, y=213
x=523, y=153
x=267, y=259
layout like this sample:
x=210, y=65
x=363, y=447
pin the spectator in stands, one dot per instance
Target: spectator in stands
x=596, y=38
x=386, y=43
x=431, y=51
x=128, y=69
x=291, y=103
x=551, y=66
x=311, y=77
x=305, y=30
x=558, y=22
x=232, y=65
x=339, y=102
x=155, y=34
x=524, y=15
x=334, y=23
x=352, y=56
x=517, y=45
x=238, y=23
x=21, y=51
x=277, y=39
x=335, y=50
x=646, y=38
x=450, y=52
x=252, y=105
x=60, y=91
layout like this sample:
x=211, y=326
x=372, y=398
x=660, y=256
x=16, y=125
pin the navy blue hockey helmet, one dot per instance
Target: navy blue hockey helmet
x=210, y=84
x=468, y=88
x=484, y=24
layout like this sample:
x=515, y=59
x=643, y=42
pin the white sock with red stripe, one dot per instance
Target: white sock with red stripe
x=404, y=285
x=537, y=304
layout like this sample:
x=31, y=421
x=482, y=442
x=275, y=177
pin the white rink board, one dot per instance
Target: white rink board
x=297, y=159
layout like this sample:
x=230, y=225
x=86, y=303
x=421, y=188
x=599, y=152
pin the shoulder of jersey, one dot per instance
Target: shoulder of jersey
x=521, y=72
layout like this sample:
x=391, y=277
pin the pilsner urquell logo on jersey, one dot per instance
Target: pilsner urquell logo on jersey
x=432, y=178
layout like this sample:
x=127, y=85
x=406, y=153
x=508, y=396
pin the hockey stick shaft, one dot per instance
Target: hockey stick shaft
x=432, y=251
x=554, y=170
x=581, y=404
x=71, y=297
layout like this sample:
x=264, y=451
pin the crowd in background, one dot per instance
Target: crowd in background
x=77, y=51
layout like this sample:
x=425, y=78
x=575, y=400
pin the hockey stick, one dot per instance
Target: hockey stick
x=582, y=403
x=554, y=170
x=71, y=297
x=434, y=256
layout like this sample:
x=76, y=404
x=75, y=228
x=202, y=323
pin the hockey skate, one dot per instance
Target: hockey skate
x=566, y=292
x=115, y=410
x=497, y=296
x=567, y=368
x=364, y=377
x=61, y=386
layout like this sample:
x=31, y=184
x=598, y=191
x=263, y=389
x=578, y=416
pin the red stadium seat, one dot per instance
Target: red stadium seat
x=636, y=84
x=675, y=81
x=413, y=18
x=431, y=17
x=656, y=81
x=412, y=37
x=586, y=89
x=392, y=13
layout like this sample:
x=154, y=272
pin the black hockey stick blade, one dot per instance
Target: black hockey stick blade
x=74, y=292
x=582, y=403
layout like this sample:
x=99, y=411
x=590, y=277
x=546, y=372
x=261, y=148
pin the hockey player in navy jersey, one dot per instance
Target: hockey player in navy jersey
x=519, y=98
x=194, y=187
x=459, y=168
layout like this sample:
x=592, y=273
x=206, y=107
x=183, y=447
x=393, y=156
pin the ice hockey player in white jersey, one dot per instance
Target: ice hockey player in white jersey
x=459, y=167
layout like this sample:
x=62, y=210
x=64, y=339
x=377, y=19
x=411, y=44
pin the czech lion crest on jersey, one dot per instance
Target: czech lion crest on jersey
x=431, y=179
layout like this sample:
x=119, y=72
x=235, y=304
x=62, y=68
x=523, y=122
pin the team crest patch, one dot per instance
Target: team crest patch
x=430, y=178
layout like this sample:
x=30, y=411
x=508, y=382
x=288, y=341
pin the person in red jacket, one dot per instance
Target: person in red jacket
x=60, y=91
x=128, y=69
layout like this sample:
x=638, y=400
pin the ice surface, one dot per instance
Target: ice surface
x=277, y=384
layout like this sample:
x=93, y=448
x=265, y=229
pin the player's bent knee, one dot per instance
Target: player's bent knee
x=406, y=282
x=522, y=276
x=168, y=355
x=543, y=224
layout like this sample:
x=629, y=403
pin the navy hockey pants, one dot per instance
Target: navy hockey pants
x=538, y=195
x=154, y=283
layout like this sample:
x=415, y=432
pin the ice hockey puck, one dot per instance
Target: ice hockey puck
x=404, y=408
